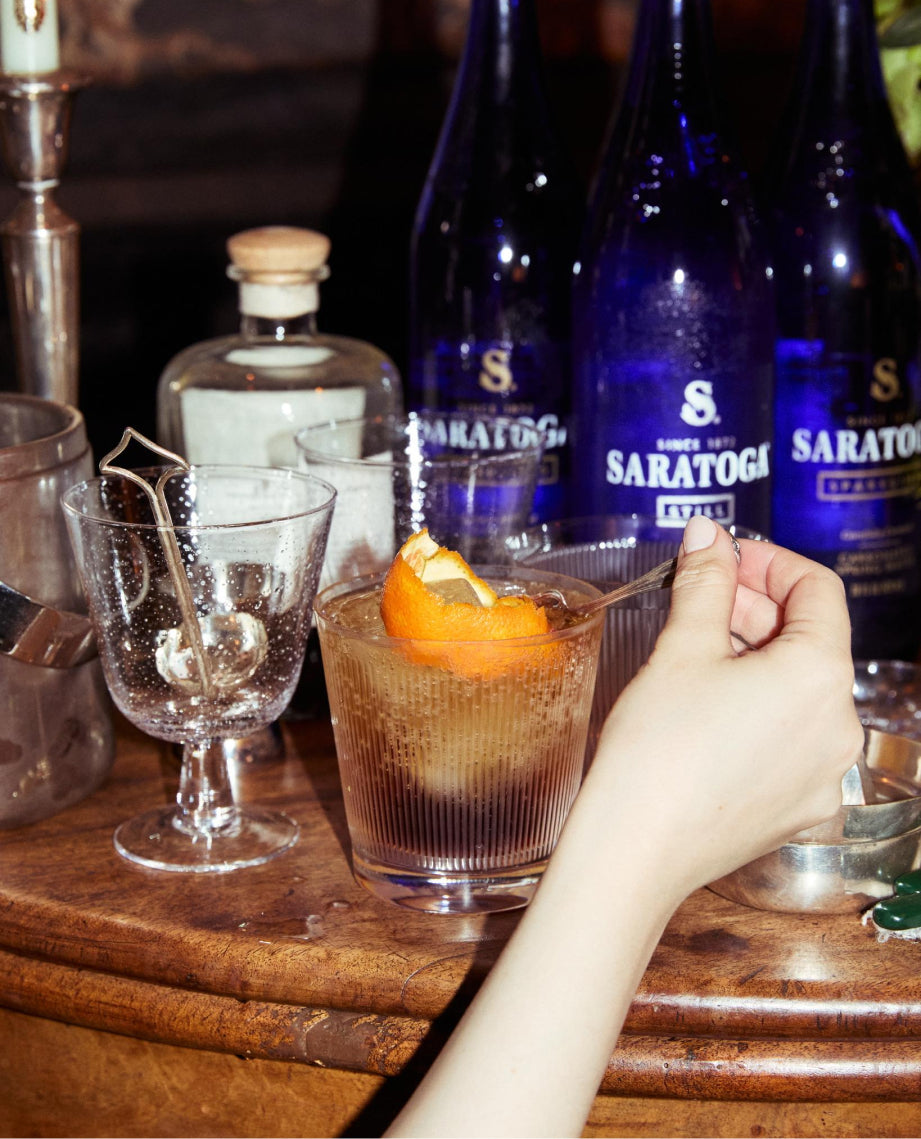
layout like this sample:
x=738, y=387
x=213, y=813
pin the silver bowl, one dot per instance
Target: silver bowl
x=851, y=861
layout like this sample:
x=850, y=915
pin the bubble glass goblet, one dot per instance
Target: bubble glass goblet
x=201, y=627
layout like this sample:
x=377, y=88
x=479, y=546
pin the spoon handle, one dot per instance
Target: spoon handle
x=655, y=578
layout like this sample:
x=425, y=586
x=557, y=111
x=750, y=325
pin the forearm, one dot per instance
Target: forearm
x=530, y=1053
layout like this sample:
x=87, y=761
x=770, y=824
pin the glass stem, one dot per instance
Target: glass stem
x=205, y=796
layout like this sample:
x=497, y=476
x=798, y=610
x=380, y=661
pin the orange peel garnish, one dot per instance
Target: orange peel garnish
x=410, y=609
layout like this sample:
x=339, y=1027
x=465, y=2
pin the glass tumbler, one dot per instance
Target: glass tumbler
x=469, y=477
x=459, y=760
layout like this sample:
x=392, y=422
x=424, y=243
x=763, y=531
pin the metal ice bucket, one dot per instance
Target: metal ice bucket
x=56, y=736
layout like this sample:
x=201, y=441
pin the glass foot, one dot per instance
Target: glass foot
x=435, y=893
x=158, y=841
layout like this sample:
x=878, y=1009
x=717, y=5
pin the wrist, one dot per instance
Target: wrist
x=629, y=843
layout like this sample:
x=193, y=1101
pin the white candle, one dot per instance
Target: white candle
x=29, y=36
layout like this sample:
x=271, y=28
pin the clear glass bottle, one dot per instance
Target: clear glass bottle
x=241, y=398
x=845, y=231
x=673, y=332
x=493, y=244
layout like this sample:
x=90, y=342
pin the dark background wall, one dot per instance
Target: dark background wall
x=207, y=117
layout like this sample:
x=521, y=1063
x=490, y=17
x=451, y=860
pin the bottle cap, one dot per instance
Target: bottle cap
x=278, y=268
x=278, y=251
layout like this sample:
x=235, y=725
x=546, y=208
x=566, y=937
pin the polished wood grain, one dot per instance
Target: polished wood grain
x=317, y=985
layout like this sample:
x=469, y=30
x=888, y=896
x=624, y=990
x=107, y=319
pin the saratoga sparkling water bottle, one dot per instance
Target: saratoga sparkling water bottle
x=493, y=246
x=844, y=227
x=673, y=335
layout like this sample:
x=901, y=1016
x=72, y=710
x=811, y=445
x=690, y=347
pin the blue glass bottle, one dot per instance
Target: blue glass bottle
x=493, y=245
x=672, y=326
x=845, y=225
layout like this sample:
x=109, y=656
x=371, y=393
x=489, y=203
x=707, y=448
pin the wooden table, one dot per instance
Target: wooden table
x=284, y=1000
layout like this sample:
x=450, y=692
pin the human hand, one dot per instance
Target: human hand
x=724, y=756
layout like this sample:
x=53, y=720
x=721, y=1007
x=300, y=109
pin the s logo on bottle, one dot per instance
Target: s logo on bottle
x=885, y=385
x=699, y=407
x=495, y=374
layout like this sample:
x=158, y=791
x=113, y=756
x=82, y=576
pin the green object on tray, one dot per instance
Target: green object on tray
x=908, y=883
x=903, y=911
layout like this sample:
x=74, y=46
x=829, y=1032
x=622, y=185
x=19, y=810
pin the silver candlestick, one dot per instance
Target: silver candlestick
x=40, y=242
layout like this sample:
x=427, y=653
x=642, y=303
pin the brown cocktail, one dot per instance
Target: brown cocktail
x=459, y=759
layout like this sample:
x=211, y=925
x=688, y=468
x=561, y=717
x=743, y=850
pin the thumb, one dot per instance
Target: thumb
x=704, y=590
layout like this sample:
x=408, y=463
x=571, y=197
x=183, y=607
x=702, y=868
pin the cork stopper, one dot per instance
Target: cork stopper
x=277, y=251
